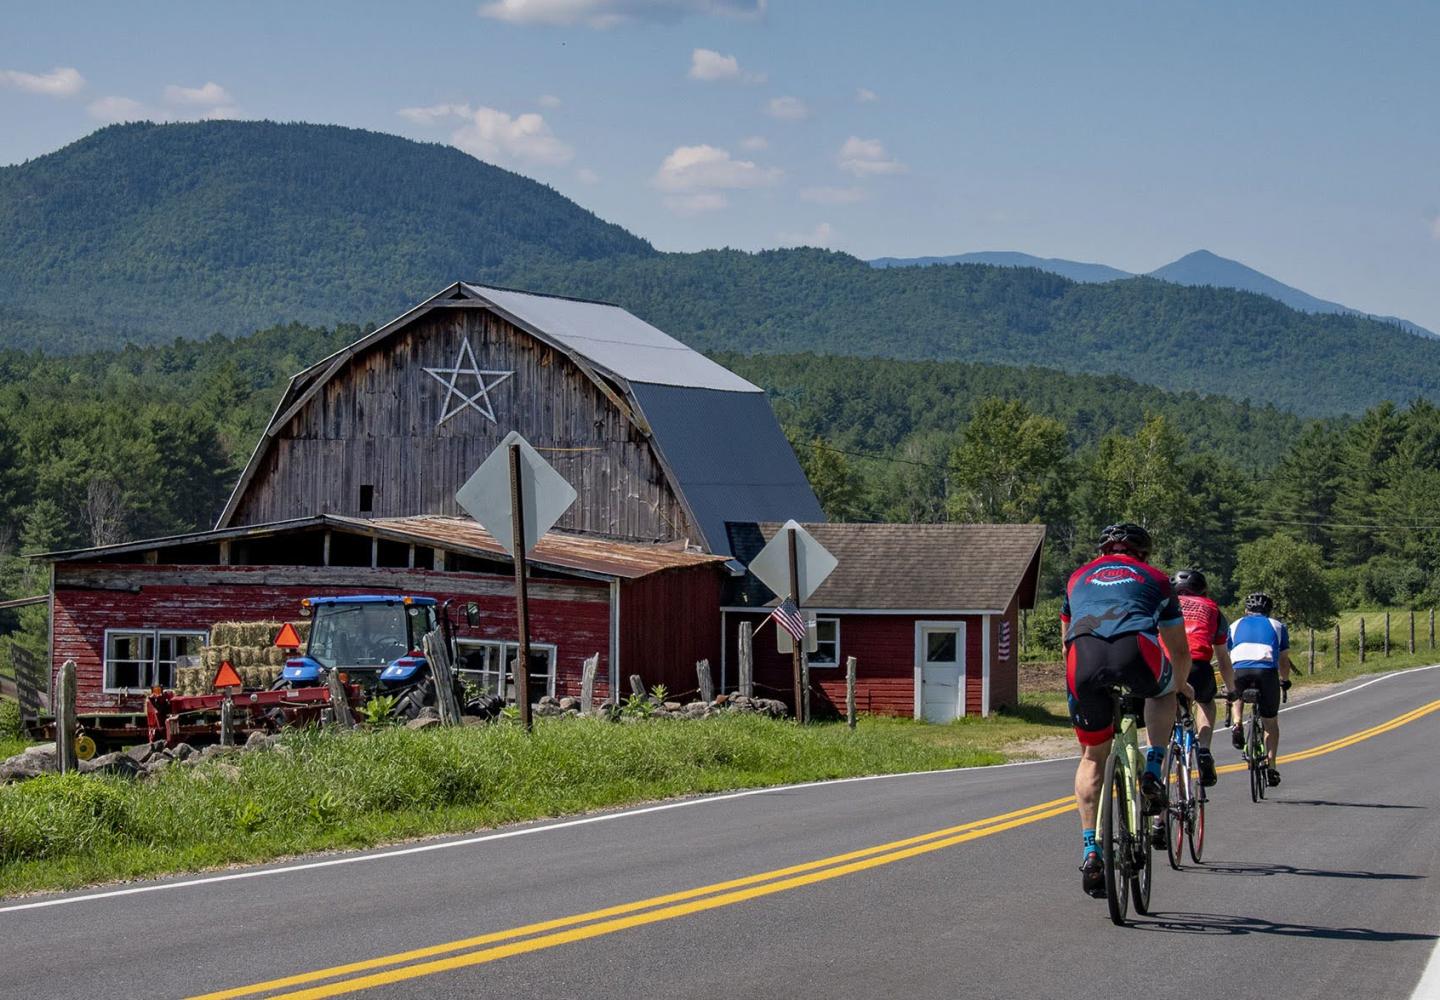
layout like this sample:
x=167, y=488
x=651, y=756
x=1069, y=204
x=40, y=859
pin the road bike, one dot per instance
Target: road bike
x=1185, y=814
x=1257, y=758
x=1124, y=844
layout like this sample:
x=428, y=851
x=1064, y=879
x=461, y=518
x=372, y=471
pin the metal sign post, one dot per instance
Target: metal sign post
x=795, y=564
x=795, y=653
x=522, y=596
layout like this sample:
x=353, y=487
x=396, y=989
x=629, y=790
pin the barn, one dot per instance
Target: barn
x=351, y=489
x=929, y=611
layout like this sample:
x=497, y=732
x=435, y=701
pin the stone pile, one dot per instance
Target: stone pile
x=140, y=761
x=550, y=706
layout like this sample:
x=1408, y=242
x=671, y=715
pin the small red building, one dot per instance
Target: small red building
x=929, y=611
x=124, y=613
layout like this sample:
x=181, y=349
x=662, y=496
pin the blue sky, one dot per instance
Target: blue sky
x=1302, y=138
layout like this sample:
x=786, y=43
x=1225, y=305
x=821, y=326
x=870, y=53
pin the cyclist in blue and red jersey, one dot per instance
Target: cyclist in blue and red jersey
x=1118, y=610
x=1207, y=631
x=1260, y=650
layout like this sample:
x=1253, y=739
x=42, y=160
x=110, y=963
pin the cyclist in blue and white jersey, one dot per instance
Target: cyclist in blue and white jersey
x=1259, y=650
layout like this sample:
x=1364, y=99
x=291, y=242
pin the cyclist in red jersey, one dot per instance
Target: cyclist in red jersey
x=1208, y=632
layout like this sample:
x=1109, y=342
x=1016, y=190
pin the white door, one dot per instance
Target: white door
x=940, y=654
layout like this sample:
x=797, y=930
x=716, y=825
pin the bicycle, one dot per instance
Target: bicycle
x=1124, y=846
x=1257, y=758
x=1185, y=812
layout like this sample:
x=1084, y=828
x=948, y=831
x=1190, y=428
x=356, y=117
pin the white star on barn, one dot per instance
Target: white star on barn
x=480, y=401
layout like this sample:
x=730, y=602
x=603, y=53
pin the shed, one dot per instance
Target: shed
x=661, y=443
x=929, y=611
x=126, y=612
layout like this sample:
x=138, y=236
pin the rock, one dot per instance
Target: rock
x=123, y=764
x=140, y=754
x=722, y=700
x=422, y=722
x=18, y=768
x=182, y=751
x=672, y=706
x=697, y=709
x=259, y=741
x=428, y=712
x=156, y=765
x=549, y=699
x=567, y=704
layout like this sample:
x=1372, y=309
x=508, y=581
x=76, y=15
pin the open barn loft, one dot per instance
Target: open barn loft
x=661, y=443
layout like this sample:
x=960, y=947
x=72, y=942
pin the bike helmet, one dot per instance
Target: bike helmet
x=1125, y=537
x=1258, y=603
x=1190, y=581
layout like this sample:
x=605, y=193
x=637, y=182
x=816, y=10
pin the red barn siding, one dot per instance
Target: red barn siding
x=1005, y=674
x=884, y=649
x=574, y=615
x=669, y=622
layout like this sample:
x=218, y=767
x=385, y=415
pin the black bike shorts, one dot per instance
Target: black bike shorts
x=1202, y=679
x=1265, y=680
x=1094, y=665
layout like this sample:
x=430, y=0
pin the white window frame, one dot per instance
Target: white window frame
x=149, y=669
x=825, y=664
x=507, y=650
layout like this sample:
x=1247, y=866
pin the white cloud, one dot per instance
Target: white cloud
x=495, y=136
x=587, y=176
x=548, y=101
x=700, y=168
x=787, y=108
x=117, y=109
x=435, y=112
x=694, y=204
x=866, y=157
x=62, y=81
x=754, y=143
x=609, y=13
x=832, y=195
x=865, y=95
x=820, y=236
x=211, y=94
x=707, y=64
x=226, y=112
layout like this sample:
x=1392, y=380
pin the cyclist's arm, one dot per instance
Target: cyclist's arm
x=1227, y=668
x=1286, y=667
x=1177, y=645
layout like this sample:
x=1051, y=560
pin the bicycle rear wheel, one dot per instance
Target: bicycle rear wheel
x=1114, y=850
x=1175, y=787
x=1144, y=872
x=1195, y=821
x=1257, y=743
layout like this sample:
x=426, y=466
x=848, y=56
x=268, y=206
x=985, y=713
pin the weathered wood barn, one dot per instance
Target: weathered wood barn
x=929, y=611
x=352, y=489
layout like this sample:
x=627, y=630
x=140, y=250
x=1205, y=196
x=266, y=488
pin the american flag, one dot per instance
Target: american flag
x=787, y=616
x=1004, y=650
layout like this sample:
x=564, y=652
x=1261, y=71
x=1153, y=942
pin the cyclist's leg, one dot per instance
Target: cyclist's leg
x=1092, y=713
x=1149, y=675
x=1202, y=679
x=1269, y=709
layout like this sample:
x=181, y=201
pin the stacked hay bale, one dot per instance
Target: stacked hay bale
x=248, y=646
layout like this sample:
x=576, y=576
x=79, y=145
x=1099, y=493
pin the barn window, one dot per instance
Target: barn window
x=367, y=498
x=137, y=660
x=483, y=662
x=827, y=643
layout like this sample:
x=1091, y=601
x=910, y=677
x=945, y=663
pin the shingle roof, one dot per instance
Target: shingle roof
x=911, y=567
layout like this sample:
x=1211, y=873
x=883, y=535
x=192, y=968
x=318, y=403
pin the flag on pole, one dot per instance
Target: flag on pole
x=787, y=616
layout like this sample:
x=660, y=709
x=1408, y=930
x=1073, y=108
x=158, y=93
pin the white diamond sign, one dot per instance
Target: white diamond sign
x=813, y=563
x=544, y=494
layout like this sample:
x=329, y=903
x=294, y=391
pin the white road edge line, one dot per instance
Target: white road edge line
x=582, y=821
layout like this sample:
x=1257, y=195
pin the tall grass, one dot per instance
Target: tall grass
x=322, y=790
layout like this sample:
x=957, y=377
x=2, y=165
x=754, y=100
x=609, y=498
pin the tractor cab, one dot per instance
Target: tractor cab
x=374, y=638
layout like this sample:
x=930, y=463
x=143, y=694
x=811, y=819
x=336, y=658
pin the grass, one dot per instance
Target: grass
x=325, y=790
x=1375, y=660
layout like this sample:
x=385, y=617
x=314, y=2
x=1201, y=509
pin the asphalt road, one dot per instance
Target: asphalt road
x=1327, y=889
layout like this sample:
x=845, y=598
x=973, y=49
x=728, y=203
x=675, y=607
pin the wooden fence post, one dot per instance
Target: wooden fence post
x=1387, y=634
x=340, y=701
x=707, y=683
x=805, y=681
x=1432, y=628
x=1412, y=630
x=1337, y=645
x=1312, y=650
x=437, y=652
x=1362, y=640
x=747, y=660
x=850, y=691
x=587, y=683
x=227, y=722
x=637, y=686
x=65, y=719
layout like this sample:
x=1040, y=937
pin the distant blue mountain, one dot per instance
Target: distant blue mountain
x=1199, y=268
x=1073, y=269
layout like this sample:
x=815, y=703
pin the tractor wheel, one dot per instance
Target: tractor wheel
x=84, y=747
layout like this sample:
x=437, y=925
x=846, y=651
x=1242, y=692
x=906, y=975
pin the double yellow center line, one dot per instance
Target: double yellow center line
x=478, y=950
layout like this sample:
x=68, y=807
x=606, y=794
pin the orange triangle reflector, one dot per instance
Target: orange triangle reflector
x=288, y=637
x=227, y=677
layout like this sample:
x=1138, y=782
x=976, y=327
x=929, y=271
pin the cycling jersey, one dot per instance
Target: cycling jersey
x=1205, y=626
x=1256, y=643
x=1116, y=595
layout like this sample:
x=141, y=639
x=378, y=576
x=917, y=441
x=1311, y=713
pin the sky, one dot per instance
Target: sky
x=1301, y=137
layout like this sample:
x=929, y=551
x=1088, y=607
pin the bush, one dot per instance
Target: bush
x=10, y=728
x=1388, y=582
x=1043, y=640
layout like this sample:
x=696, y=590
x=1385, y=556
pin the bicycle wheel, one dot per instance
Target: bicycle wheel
x=1143, y=873
x=1195, y=821
x=1262, y=780
x=1114, y=849
x=1175, y=811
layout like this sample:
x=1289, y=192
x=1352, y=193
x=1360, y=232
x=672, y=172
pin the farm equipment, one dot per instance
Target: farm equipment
x=176, y=718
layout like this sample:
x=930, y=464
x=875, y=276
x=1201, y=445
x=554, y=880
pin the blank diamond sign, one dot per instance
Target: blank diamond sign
x=544, y=494
x=813, y=562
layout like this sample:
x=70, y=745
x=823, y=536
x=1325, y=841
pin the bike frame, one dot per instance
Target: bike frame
x=1125, y=749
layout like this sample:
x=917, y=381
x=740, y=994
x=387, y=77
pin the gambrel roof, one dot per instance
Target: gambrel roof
x=714, y=432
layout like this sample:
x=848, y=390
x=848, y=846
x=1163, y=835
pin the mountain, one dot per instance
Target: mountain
x=159, y=231
x=1073, y=269
x=1205, y=268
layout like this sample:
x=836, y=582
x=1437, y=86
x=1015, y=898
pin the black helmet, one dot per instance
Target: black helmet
x=1190, y=581
x=1128, y=536
x=1258, y=603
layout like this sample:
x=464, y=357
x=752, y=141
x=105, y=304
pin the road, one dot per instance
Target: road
x=951, y=884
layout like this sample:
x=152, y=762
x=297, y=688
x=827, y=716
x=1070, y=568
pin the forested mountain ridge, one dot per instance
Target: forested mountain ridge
x=147, y=232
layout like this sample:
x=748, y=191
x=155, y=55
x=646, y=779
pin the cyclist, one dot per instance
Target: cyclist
x=1208, y=632
x=1117, y=611
x=1259, y=651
